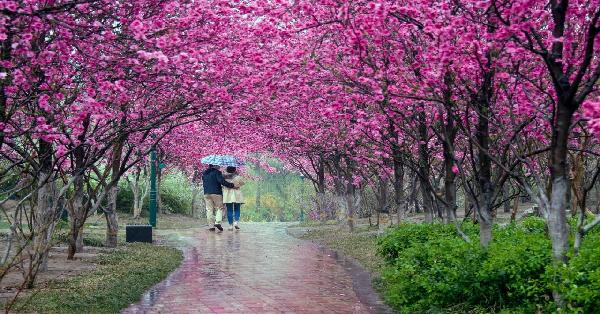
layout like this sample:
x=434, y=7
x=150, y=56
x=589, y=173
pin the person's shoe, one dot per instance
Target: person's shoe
x=235, y=224
x=211, y=229
x=218, y=226
x=230, y=228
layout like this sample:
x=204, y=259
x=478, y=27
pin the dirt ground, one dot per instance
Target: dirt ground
x=58, y=268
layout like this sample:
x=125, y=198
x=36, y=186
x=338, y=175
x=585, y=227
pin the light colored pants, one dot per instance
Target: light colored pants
x=214, y=203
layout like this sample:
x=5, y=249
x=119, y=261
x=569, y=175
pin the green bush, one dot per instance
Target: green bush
x=533, y=225
x=433, y=274
x=512, y=272
x=124, y=199
x=176, y=193
x=408, y=235
x=175, y=202
x=431, y=269
x=580, y=284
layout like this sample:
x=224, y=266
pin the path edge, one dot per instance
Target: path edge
x=362, y=279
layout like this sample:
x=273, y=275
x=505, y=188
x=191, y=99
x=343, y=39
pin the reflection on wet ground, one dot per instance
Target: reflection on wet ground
x=260, y=269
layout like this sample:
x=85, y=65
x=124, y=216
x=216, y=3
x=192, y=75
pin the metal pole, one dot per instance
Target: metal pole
x=153, y=192
x=303, y=197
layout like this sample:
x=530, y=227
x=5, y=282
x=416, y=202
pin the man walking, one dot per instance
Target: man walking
x=212, y=180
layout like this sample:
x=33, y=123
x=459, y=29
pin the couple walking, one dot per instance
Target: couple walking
x=222, y=189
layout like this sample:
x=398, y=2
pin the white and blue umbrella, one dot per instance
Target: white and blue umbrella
x=222, y=160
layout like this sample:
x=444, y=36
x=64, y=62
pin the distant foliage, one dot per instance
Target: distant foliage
x=279, y=196
x=176, y=192
x=275, y=196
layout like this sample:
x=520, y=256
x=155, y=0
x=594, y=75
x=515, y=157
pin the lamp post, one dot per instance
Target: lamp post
x=303, y=198
x=153, y=191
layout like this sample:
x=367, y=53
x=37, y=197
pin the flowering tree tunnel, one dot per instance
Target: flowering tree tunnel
x=434, y=104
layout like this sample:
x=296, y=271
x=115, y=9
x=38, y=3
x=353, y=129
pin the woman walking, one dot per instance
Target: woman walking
x=233, y=198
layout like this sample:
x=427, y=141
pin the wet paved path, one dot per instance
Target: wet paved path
x=260, y=269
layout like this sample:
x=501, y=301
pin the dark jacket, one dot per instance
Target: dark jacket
x=212, y=180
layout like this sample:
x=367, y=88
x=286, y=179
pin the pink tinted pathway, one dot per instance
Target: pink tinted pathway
x=260, y=269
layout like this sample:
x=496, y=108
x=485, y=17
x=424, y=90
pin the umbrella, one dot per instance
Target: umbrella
x=222, y=160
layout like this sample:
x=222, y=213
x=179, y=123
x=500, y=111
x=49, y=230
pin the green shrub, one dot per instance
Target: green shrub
x=433, y=274
x=512, y=272
x=174, y=202
x=431, y=269
x=176, y=193
x=580, y=284
x=407, y=235
x=533, y=225
x=124, y=199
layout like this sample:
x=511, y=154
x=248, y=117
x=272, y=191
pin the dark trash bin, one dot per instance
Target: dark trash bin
x=138, y=233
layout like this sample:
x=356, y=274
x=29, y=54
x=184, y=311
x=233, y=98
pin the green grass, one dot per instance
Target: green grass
x=121, y=279
x=4, y=224
x=360, y=245
x=91, y=236
x=315, y=223
x=163, y=221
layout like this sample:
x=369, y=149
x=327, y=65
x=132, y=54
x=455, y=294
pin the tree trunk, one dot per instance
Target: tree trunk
x=370, y=210
x=449, y=188
x=320, y=186
x=513, y=214
x=557, y=218
x=137, y=207
x=43, y=223
x=350, y=205
x=341, y=207
x=79, y=243
x=77, y=216
x=320, y=202
x=485, y=221
x=43, y=220
x=485, y=165
x=382, y=198
x=450, y=131
x=577, y=184
x=399, y=197
x=505, y=195
x=79, y=208
x=74, y=238
x=112, y=223
x=424, y=168
x=414, y=195
x=466, y=202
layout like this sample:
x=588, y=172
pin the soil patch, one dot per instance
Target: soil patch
x=59, y=268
